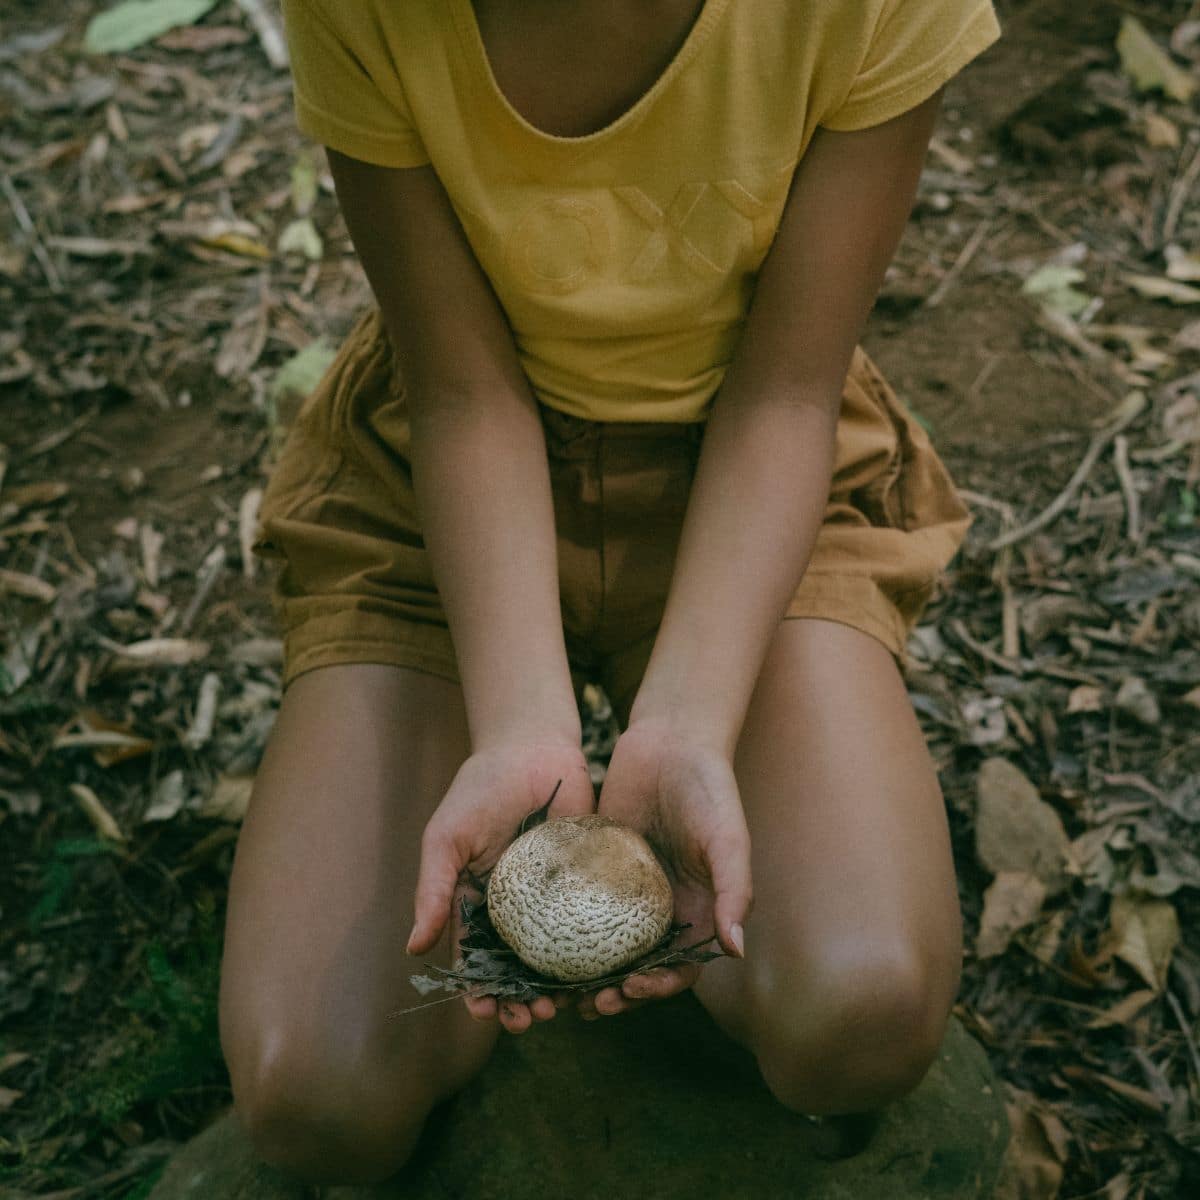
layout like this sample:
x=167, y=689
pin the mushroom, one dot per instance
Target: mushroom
x=578, y=898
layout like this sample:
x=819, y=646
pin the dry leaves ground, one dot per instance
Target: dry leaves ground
x=173, y=273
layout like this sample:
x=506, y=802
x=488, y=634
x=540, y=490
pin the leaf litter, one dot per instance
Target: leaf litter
x=176, y=278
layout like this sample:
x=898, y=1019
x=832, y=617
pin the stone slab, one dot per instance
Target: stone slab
x=655, y=1103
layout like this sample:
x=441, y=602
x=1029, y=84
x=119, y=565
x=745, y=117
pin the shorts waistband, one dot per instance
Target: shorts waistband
x=568, y=436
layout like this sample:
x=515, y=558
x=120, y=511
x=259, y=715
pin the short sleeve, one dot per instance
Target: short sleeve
x=341, y=101
x=917, y=46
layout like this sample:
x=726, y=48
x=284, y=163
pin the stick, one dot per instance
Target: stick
x=210, y=570
x=269, y=34
x=1128, y=489
x=1177, y=1009
x=26, y=223
x=958, y=266
x=1127, y=412
x=1179, y=194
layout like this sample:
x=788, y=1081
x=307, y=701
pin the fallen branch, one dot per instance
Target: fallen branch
x=1126, y=413
x=270, y=36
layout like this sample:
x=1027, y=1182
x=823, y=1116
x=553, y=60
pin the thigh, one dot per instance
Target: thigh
x=852, y=868
x=321, y=894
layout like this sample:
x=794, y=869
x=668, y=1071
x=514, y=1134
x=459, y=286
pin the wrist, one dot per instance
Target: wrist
x=528, y=713
x=673, y=717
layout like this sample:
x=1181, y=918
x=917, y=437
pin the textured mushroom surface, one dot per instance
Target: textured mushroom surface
x=579, y=897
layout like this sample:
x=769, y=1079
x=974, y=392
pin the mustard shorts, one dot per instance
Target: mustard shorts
x=354, y=582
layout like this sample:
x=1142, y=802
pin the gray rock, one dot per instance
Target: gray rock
x=654, y=1103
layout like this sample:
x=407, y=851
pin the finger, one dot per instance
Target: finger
x=730, y=869
x=562, y=1000
x=482, y=1008
x=609, y=1002
x=661, y=982
x=542, y=1009
x=436, y=881
x=515, y=1017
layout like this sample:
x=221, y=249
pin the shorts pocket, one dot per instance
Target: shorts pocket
x=888, y=469
x=314, y=450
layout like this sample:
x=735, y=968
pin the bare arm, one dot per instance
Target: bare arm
x=764, y=471
x=478, y=451
x=482, y=483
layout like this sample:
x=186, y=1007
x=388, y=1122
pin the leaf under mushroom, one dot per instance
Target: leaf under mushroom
x=489, y=968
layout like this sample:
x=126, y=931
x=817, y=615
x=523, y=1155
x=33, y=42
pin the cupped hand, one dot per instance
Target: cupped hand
x=481, y=813
x=681, y=795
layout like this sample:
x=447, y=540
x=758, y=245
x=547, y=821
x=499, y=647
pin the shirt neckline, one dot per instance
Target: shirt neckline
x=480, y=64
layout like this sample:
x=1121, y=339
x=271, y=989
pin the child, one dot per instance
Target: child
x=608, y=421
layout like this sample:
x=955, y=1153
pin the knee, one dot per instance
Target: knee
x=322, y=1123
x=854, y=1032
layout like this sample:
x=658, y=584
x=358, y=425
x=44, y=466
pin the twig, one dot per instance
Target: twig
x=1180, y=190
x=30, y=229
x=269, y=34
x=1128, y=490
x=964, y=256
x=1127, y=412
x=1011, y=665
x=1187, y=1032
x=210, y=570
x=53, y=440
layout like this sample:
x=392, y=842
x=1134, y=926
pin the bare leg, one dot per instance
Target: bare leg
x=854, y=945
x=320, y=904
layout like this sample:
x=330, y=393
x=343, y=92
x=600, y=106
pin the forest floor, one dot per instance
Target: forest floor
x=174, y=274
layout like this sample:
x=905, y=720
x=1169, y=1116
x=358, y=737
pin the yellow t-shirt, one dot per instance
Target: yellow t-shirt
x=625, y=259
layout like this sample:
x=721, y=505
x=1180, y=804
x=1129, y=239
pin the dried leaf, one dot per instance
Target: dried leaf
x=985, y=720
x=1012, y=902
x=1161, y=132
x=135, y=22
x=102, y=820
x=1181, y=419
x=1135, y=699
x=488, y=967
x=236, y=243
x=1015, y=830
x=1086, y=698
x=159, y=652
x=1144, y=933
x=112, y=741
x=12, y=1059
x=19, y=584
x=1124, y=1010
x=9, y=1097
x=201, y=38
x=169, y=796
x=1154, y=287
x=200, y=730
x=304, y=184
x=301, y=237
x=1032, y=1170
x=1149, y=65
x=229, y=799
x=247, y=530
x=1182, y=265
x=1052, y=285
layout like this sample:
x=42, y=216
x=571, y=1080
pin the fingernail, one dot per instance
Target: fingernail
x=735, y=936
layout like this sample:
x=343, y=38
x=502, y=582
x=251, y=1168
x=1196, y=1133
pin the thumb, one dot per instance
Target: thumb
x=436, y=881
x=733, y=894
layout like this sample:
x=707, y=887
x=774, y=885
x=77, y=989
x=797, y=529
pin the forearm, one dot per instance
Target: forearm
x=757, y=502
x=483, y=488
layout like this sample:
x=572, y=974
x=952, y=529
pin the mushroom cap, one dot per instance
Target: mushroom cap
x=579, y=897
